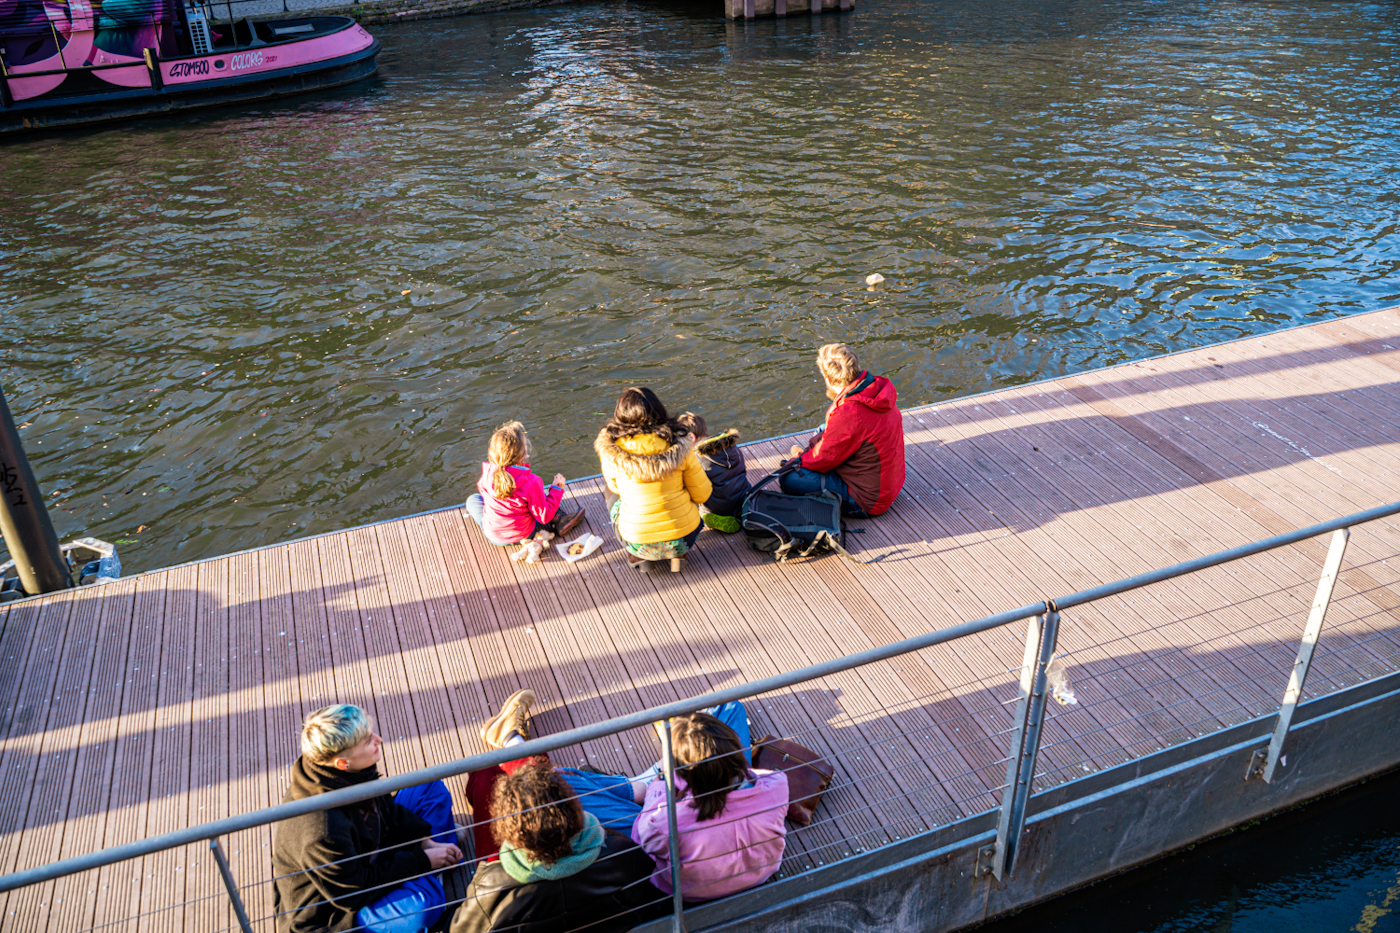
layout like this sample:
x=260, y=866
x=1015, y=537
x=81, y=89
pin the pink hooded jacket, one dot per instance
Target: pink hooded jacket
x=513, y=518
x=736, y=850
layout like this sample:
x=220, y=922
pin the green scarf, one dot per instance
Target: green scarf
x=587, y=844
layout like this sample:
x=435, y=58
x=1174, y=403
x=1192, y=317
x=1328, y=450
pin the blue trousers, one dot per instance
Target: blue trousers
x=609, y=796
x=415, y=905
x=805, y=482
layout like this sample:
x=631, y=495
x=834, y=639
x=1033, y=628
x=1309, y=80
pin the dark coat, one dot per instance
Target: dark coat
x=613, y=894
x=723, y=461
x=863, y=443
x=322, y=897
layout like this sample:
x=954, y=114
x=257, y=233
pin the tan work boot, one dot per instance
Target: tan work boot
x=513, y=717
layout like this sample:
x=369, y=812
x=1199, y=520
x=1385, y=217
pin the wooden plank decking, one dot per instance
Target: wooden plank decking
x=173, y=697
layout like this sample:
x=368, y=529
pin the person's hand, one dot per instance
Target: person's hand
x=559, y=480
x=796, y=451
x=441, y=854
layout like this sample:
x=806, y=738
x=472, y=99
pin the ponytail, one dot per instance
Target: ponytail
x=509, y=446
x=502, y=484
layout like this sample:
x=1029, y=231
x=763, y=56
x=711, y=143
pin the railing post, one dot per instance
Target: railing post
x=238, y=909
x=668, y=764
x=1311, y=631
x=1017, y=745
x=1041, y=637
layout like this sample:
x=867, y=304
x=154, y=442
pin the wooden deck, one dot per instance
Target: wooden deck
x=174, y=697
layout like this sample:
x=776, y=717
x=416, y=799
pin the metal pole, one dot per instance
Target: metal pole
x=58, y=45
x=153, y=66
x=24, y=521
x=6, y=100
x=1305, y=650
x=1016, y=750
x=668, y=763
x=1034, y=721
x=232, y=888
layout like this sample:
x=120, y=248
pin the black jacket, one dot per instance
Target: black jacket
x=322, y=897
x=613, y=894
x=723, y=461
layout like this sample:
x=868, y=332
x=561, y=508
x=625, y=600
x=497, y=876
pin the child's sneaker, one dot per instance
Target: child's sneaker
x=725, y=523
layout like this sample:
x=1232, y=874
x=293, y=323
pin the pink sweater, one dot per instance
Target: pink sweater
x=738, y=849
x=513, y=518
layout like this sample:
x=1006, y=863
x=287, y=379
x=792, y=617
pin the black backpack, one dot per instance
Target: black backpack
x=792, y=526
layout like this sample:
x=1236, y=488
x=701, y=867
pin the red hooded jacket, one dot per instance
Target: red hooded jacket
x=863, y=443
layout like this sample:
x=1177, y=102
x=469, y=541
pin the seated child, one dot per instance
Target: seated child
x=724, y=465
x=513, y=503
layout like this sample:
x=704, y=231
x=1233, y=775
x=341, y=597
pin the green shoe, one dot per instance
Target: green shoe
x=725, y=523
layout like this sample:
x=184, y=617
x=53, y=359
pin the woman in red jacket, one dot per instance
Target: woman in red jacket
x=859, y=452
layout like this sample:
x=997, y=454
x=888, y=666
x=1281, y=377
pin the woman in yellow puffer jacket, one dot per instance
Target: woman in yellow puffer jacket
x=655, y=482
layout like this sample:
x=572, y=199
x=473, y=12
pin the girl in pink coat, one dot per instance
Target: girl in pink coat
x=729, y=815
x=512, y=503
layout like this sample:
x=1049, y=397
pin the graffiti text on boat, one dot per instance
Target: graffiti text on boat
x=245, y=60
x=185, y=69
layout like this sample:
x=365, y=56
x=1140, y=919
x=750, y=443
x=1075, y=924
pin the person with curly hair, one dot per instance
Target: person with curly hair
x=559, y=870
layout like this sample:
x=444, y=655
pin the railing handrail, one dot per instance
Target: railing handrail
x=349, y=795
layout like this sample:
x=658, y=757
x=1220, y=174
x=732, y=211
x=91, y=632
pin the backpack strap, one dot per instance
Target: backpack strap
x=750, y=520
x=763, y=482
x=835, y=545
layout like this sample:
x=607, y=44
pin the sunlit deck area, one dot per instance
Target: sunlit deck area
x=174, y=697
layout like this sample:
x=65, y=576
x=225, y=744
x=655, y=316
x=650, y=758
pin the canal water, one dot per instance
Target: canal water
x=232, y=329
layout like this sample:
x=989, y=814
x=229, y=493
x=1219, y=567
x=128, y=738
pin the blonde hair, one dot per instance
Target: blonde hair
x=838, y=364
x=509, y=446
x=331, y=730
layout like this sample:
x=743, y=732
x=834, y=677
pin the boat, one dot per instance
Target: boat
x=72, y=62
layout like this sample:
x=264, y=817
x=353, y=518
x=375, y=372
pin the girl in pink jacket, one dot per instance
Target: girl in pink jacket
x=512, y=503
x=729, y=815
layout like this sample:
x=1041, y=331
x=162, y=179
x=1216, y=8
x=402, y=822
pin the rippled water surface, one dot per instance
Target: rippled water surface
x=233, y=329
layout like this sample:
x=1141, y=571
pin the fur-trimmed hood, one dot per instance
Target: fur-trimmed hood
x=720, y=442
x=648, y=456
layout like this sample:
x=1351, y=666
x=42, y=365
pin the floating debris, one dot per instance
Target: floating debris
x=872, y=280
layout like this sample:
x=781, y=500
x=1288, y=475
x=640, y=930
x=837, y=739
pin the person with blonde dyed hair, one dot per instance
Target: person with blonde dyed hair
x=332, y=729
x=364, y=866
x=838, y=365
x=511, y=502
x=858, y=453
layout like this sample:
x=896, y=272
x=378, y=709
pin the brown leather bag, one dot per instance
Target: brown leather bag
x=808, y=774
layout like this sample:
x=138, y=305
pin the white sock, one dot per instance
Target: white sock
x=515, y=739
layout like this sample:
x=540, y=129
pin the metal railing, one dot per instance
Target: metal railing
x=918, y=790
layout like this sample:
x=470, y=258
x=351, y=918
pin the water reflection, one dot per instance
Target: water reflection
x=239, y=327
